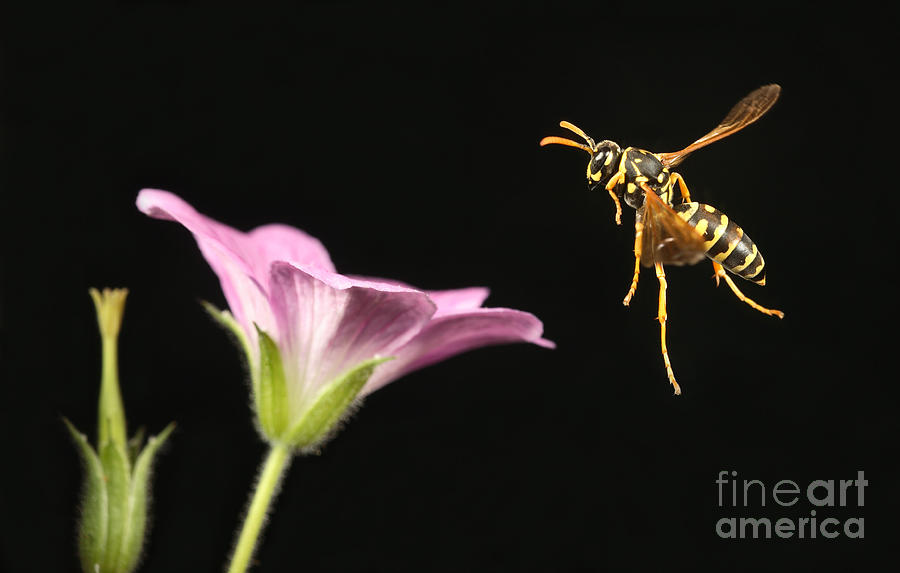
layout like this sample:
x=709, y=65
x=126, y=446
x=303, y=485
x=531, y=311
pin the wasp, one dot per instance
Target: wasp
x=670, y=234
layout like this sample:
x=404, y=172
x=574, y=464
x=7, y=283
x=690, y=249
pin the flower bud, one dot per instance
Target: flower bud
x=116, y=492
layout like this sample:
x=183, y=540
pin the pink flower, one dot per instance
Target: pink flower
x=287, y=302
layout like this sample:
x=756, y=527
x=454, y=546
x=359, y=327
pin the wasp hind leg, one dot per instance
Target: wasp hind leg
x=638, y=233
x=661, y=275
x=720, y=273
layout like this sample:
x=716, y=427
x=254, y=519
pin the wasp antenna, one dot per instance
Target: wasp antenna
x=563, y=141
x=575, y=129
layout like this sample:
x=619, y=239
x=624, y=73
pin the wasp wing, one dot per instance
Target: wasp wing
x=745, y=112
x=666, y=237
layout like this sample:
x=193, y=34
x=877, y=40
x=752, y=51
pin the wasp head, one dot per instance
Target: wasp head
x=604, y=162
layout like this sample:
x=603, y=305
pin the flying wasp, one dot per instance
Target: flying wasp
x=665, y=233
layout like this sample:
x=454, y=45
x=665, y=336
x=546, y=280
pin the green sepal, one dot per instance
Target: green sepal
x=272, y=397
x=117, y=471
x=93, y=527
x=114, y=505
x=329, y=406
x=135, y=443
x=135, y=524
x=226, y=319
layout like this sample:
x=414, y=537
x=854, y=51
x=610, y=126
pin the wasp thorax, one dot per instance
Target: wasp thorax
x=604, y=163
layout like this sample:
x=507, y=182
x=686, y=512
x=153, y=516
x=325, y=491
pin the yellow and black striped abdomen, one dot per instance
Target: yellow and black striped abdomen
x=726, y=242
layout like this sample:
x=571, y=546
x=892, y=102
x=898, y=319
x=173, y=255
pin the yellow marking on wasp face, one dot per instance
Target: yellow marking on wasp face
x=747, y=261
x=609, y=157
x=709, y=209
x=641, y=179
x=717, y=232
x=631, y=188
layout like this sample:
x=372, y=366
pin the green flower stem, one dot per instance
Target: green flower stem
x=273, y=470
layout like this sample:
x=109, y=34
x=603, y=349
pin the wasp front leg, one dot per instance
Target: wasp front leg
x=720, y=273
x=616, y=179
x=661, y=276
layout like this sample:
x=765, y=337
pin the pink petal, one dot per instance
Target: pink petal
x=168, y=206
x=241, y=260
x=285, y=243
x=446, y=300
x=455, y=333
x=330, y=323
x=450, y=301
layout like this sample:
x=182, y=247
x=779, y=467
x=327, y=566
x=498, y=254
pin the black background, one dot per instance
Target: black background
x=406, y=140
